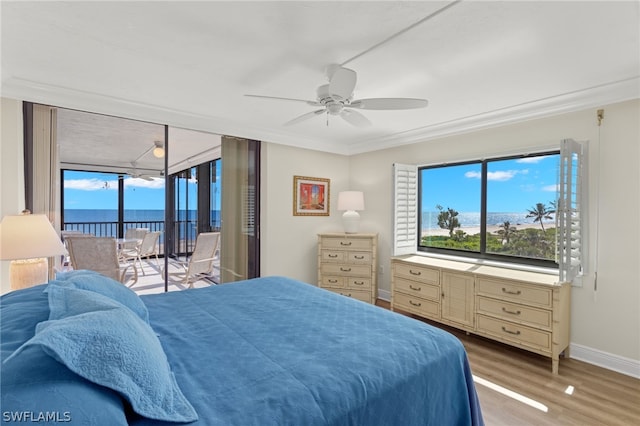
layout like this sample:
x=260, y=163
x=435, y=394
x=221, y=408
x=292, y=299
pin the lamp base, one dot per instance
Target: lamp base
x=28, y=272
x=351, y=222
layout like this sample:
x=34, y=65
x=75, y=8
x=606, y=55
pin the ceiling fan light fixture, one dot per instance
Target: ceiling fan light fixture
x=158, y=151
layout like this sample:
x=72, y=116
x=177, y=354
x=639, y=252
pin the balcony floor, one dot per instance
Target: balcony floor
x=152, y=282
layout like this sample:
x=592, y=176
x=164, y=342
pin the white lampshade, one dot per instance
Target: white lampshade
x=28, y=236
x=351, y=200
x=24, y=237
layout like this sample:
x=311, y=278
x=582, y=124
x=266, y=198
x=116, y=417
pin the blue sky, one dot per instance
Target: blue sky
x=514, y=185
x=100, y=191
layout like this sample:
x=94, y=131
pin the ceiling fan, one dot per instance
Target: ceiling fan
x=135, y=174
x=336, y=98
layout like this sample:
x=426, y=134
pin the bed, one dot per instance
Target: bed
x=266, y=351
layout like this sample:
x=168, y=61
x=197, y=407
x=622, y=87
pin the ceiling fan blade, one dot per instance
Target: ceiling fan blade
x=304, y=117
x=342, y=83
x=355, y=118
x=389, y=103
x=312, y=103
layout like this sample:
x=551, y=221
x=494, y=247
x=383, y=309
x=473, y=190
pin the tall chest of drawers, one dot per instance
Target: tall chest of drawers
x=347, y=264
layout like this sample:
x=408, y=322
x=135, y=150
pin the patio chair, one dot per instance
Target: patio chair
x=133, y=238
x=100, y=254
x=202, y=260
x=147, y=248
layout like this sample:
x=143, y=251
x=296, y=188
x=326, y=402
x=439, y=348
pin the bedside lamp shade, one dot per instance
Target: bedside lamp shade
x=28, y=240
x=351, y=202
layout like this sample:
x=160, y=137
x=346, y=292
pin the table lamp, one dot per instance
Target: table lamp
x=28, y=240
x=351, y=202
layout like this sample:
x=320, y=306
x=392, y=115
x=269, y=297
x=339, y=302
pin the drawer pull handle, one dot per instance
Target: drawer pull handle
x=415, y=304
x=359, y=257
x=515, y=333
x=345, y=269
x=517, y=293
x=510, y=312
x=342, y=243
x=333, y=281
x=333, y=255
x=415, y=288
x=412, y=272
x=348, y=295
x=358, y=282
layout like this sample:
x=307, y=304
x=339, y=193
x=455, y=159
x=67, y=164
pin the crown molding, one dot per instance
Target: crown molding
x=618, y=91
x=596, y=96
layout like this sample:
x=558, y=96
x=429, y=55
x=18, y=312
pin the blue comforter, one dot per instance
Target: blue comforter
x=275, y=351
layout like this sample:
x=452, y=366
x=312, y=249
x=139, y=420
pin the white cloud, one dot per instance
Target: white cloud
x=550, y=188
x=98, y=184
x=501, y=175
x=532, y=160
x=154, y=183
x=90, y=184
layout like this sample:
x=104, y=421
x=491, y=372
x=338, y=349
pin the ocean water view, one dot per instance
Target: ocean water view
x=472, y=219
x=111, y=215
x=154, y=219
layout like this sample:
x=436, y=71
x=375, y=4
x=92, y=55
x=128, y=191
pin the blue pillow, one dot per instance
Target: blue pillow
x=93, y=281
x=34, y=384
x=105, y=343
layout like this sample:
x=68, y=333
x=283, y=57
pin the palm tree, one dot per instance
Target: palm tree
x=540, y=212
x=505, y=231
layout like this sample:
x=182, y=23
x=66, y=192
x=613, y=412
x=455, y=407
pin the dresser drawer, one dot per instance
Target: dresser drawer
x=333, y=256
x=365, y=296
x=516, y=333
x=416, y=305
x=418, y=289
x=329, y=281
x=358, y=257
x=513, y=312
x=346, y=270
x=508, y=290
x=418, y=273
x=347, y=243
x=358, y=283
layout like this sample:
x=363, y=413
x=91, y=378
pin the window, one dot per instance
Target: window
x=525, y=209
x=497, y=208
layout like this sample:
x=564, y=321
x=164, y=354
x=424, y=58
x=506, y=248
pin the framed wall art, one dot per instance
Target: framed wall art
x=310, y=196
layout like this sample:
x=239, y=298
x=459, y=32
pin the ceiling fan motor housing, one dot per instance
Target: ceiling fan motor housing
x=333, y=103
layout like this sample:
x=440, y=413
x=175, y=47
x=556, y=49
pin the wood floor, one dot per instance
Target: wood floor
x=516, y=387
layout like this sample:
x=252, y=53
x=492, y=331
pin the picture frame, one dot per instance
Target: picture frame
x=310, y=196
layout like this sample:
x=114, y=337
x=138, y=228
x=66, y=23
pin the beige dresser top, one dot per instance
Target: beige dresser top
x=345, y=235
x=483, y=270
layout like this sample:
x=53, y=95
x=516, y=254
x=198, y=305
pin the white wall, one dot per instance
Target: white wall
x=289, y=243
x=11, y=170
x=608, y=320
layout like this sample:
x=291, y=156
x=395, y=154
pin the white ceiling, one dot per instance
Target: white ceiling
x=189, y=64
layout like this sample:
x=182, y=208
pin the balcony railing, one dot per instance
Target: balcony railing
x=185, y=231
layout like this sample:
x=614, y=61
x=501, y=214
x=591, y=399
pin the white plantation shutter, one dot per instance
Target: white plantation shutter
x=405, y=209
x=571, y=211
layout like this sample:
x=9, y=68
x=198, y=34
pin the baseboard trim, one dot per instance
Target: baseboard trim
x=384, y=295
x=628, y=366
